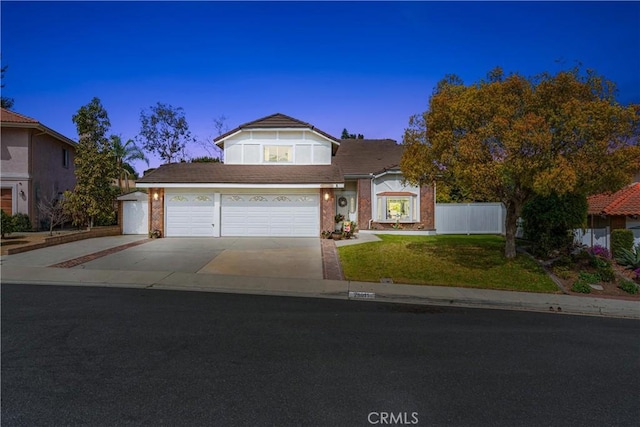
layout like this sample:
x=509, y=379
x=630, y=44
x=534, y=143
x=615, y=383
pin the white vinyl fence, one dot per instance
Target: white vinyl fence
x=470, y=218
x=601, y=236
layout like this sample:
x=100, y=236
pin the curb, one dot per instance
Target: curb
x=332, y=289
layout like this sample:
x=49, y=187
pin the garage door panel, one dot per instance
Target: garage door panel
x=271, y=215
x=190, y=215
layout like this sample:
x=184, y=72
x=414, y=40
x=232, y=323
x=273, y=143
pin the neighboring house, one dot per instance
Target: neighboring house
x=284, y=177
x=616, y=210
x=36, y=163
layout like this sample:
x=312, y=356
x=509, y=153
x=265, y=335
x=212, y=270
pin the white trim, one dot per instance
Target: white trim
x=229, y=136
x=21, y=176
x=214, y=185
x=303, y=130
x=387, y=172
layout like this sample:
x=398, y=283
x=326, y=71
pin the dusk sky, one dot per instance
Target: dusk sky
x=366, y=66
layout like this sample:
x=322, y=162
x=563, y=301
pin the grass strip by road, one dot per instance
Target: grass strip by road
x=446, y=260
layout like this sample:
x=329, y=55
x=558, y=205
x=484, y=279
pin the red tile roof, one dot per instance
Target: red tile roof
x=276, y=121
x=211, y=173
x=622, y=202
x=7, y=116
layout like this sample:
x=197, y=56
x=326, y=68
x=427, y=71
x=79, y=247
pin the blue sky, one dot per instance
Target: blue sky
x=366, y=66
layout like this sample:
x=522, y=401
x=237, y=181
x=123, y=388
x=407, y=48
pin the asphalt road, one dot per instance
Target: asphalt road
x=96, y=356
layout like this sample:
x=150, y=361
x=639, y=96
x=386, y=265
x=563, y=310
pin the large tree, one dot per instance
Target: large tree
x=92, y=197
x=124, y=154
x=5, y=102
x=164, y=130
x=509, y=137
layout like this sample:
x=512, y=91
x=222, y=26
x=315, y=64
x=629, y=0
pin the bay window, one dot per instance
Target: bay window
x=397, y=207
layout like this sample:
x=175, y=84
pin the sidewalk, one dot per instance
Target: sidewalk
x=41, y=267
x=379, y=292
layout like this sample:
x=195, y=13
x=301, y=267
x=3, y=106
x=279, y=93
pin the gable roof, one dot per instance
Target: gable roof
x=622, y=202
x=367, y=156
x=7, y=116
x=276, y=121
x=220, y=173
x=12, y=119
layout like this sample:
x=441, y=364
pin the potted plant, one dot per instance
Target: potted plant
x=338, y=220
x=155, y=233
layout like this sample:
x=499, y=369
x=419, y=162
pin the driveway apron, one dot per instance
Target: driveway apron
x=242, y=256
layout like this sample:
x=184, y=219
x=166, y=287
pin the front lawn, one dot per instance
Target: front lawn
x=468, y=261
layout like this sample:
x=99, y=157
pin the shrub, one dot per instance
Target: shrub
x=21, y=223
x=598, y=262
x=621, y=239
x=7, y=224
x=581, y=286
x=606, y=273
x=600, y=251
x=588, y=277
x=629, y=259
x=549, y=221
x=628, y=286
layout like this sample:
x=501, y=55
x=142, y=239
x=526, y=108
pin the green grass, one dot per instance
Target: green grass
x=467, y=261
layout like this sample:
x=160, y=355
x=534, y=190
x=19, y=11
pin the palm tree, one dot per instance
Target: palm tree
x=124, y=154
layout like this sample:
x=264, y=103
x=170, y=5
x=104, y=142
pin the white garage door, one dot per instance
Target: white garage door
x=135, y=217
x=189, y=214
x=271, y=215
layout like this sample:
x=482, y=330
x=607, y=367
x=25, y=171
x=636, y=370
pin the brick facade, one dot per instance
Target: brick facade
x=156, y=210
x=427, y=212
x=427, y=206
x=327, y=210
x=364, y=203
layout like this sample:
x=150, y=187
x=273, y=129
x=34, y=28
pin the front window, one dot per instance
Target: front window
x=278, y=153
x=397, y=208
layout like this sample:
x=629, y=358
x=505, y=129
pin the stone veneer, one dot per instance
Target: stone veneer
x=156, y=210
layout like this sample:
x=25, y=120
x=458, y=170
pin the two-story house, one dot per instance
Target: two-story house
x=36, y=163
x=285, y=177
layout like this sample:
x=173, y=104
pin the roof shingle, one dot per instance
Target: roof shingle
x=211, y=173
x=367, y=156
x=276, y=121
x=622, y=202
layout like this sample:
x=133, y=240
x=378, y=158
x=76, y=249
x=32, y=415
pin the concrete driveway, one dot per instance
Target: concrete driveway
x=264, y=257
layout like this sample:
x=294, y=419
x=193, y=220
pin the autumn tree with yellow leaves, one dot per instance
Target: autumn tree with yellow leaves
x=509, y=138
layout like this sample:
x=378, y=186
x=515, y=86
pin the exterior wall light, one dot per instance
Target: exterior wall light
x=155, y=196
x=326, y=196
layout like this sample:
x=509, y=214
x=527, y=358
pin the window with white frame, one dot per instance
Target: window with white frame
x=278, y=153
x=397, y=208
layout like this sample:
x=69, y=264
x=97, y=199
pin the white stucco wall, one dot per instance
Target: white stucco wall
x=247, y=147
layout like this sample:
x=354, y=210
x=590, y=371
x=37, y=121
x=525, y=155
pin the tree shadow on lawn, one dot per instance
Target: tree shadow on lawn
x=483, y=257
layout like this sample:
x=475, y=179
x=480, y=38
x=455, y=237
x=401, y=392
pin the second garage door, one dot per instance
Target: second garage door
x=190, y=214
x=271, y=215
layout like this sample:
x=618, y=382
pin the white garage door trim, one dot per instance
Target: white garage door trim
x=135, y=217
x=270, y=215
x=189, y=214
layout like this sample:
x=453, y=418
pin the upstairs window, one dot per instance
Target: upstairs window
x=278, y=154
